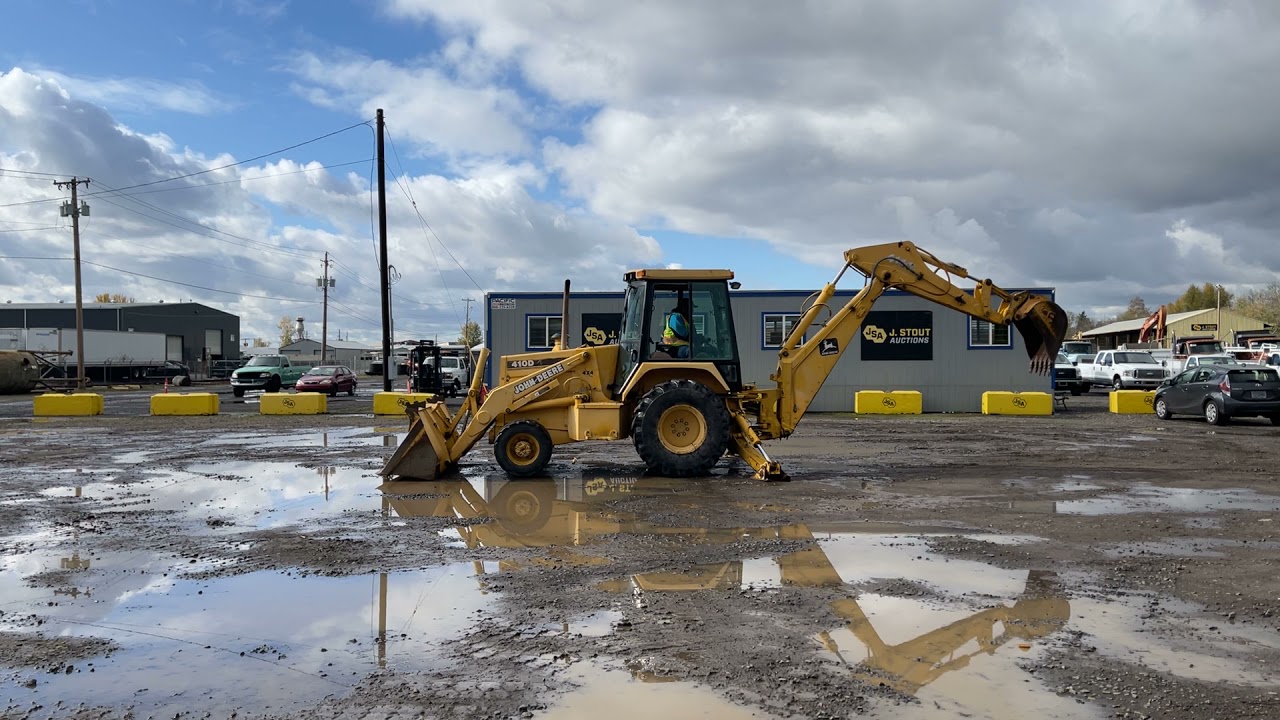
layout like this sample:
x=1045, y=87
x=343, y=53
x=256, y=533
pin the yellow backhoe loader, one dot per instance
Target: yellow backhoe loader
x=677, y=392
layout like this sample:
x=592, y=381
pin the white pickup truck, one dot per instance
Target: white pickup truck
x=1124, y=370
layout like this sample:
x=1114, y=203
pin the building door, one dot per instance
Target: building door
x=213, y=343
x=173, y=348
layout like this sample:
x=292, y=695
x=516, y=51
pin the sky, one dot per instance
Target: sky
x=1104, y=148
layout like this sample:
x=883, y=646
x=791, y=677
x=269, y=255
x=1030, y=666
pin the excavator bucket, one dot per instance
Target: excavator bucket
x=1043, y=325
x=424, y=452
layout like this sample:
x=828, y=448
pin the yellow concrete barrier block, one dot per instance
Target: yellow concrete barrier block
x=393, y=403
x=307, y=403
x=1017, y=403
x=897, y=402
x=59, y=405
x=1133, y=402
x=184, y=404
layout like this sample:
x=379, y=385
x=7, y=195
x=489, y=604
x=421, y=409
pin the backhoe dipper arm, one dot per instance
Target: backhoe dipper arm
x=803, y=367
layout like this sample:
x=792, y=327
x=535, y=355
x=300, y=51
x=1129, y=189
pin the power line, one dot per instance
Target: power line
x=199, y=260
x=191, y=174
x=243, y=179
x=34, y=229
x=199, y=287
x=242, y=162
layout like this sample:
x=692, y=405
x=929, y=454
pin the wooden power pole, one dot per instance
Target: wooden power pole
x=74, y=210
x=388, y=363
x=325, y=282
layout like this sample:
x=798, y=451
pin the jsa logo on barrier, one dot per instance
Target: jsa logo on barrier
x=541, y=377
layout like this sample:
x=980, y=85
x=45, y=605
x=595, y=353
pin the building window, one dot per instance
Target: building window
x=984, y=334
x=777, y=327
x=541, y=330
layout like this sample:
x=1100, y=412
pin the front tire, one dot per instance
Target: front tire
x=1162, y=409
x=273, y=385
x=1213, y=414
x=523, y=448
x=681, y=429
x=1117, y=383
x=238, y=392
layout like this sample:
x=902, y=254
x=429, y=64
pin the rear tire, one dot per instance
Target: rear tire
x=351, y=392
x=681, y=429
x=1076, y=391
x=1213, y=414
x=523, y=449
x=1162, y=409
x=1275, y=419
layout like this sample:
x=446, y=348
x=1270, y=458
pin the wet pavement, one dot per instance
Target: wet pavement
x=276, y=574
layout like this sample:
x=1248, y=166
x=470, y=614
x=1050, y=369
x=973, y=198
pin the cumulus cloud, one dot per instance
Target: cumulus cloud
x=221, y=230
x=1063, y=138
x=141, y=94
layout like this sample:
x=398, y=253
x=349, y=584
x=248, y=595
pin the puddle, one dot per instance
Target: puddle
x=624, y=696
x=1145, y=498
x=1185, y=547
x=240, y=494
x=336, y=437
x=1176, y=640
x=261, y=640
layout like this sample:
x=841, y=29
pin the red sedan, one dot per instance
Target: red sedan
x=331, y=379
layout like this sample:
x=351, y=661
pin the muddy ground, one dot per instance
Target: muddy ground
x=1084, y=565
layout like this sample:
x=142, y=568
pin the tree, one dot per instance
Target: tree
x=1137, y=310
x=471, y=335
x=1078, y=323
x=260, y=342
x=1262, y=304
x=112, y=298
x=1201, y=297
x=286, y=330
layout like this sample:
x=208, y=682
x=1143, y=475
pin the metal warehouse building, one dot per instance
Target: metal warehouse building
x=193, y=334
x=958, y=359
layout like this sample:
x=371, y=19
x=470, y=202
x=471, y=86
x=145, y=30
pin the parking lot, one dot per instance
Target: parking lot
x=937, y=566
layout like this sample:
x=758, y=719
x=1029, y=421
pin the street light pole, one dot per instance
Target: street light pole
x=74, y=209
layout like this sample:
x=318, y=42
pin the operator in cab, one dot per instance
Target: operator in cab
x=675, y=335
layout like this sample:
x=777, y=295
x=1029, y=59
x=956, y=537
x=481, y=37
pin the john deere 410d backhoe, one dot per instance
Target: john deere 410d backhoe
x=685, y=405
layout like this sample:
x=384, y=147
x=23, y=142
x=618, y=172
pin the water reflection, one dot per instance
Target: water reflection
x=562, y=513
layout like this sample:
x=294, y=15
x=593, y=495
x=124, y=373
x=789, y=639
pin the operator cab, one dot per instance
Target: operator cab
x=678, y=316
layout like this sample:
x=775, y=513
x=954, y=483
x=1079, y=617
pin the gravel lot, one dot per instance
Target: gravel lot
x=938, y=566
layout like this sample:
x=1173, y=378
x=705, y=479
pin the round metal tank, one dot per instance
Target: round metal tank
x=18, y=372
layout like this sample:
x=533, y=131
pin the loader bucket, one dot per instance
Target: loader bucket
x=423, y=454
x=1043, y=325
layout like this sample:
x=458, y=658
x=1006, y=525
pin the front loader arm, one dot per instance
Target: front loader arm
x=803, y=367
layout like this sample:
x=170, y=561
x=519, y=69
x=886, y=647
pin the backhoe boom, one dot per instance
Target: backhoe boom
x=803, y=367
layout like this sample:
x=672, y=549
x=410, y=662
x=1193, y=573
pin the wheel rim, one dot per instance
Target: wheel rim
x=523, y=449
x=523, y=506
x=1211, y=412
x=682, y=429
x=1160, y=408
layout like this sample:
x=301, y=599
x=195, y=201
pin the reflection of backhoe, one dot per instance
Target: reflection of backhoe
x=673, y=382
x=536, y=513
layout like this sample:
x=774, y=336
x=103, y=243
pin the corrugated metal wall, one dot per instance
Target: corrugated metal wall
x=952, y=381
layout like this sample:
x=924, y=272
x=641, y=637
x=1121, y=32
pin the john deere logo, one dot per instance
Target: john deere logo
x=875, y=334
x=1019, y=402
x=889, y=402
x=288, y=402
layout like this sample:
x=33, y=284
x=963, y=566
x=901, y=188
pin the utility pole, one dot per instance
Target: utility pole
x=325, y=283
x=388, y=363
x=75, y=209
x=467, y=324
